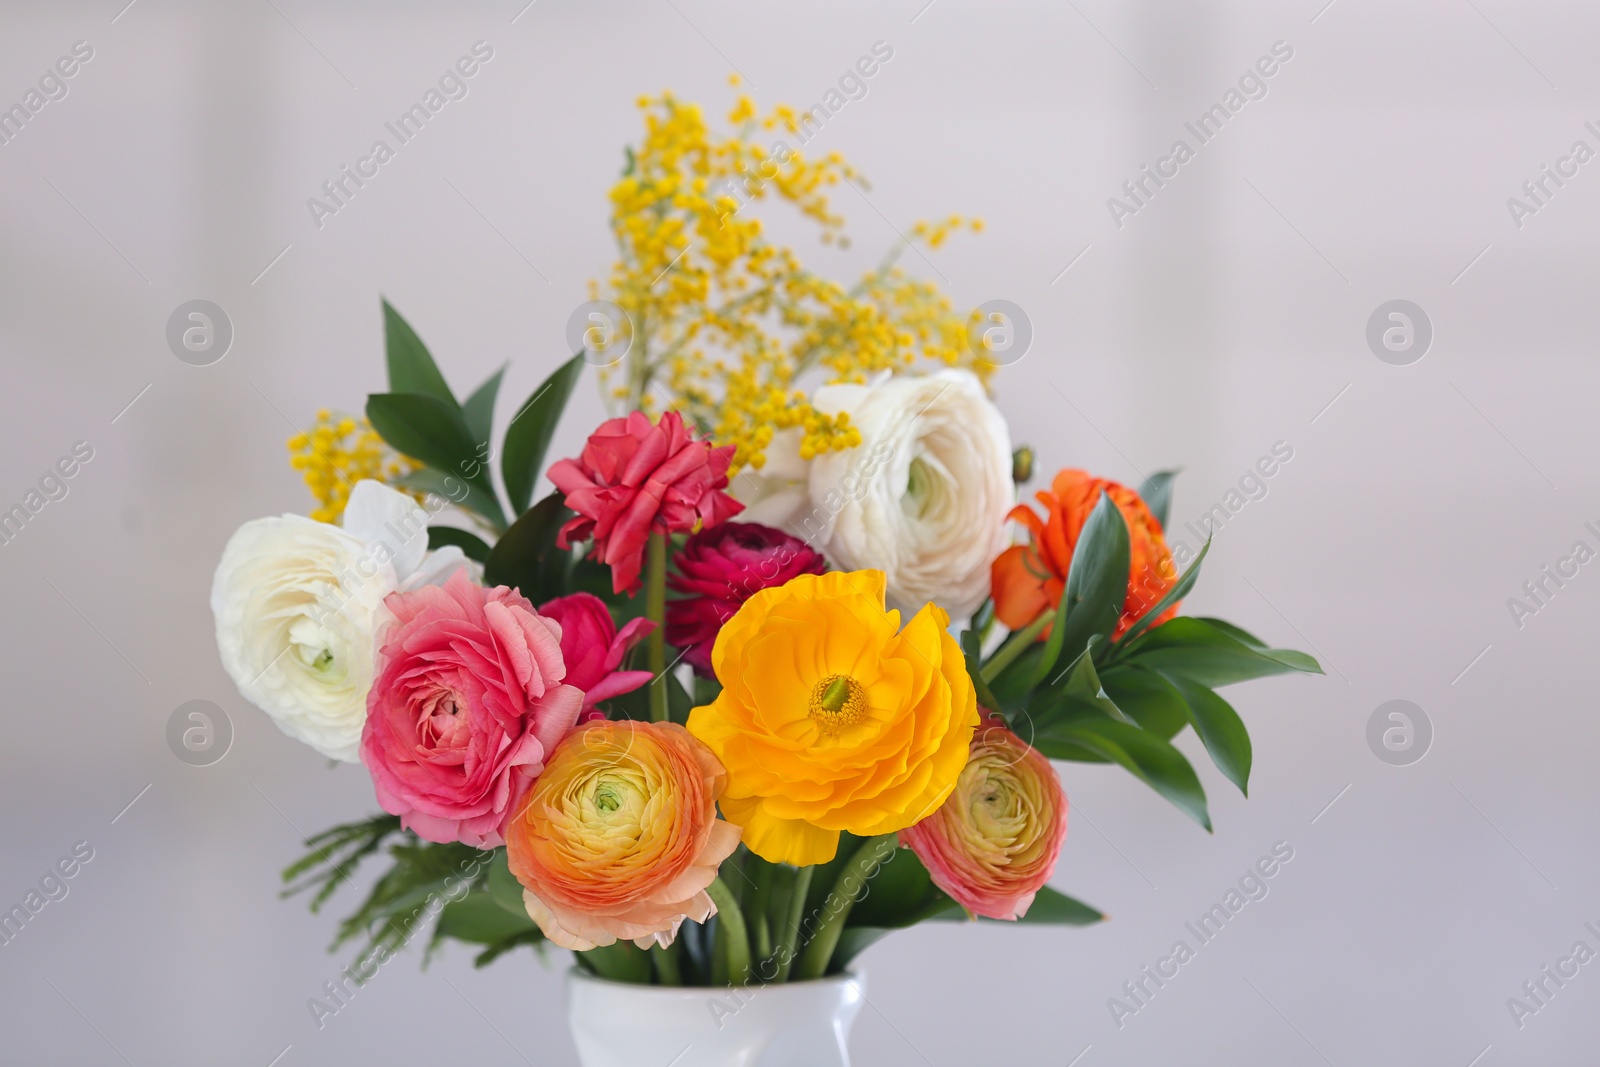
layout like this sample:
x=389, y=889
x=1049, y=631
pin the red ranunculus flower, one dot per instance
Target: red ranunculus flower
x=593, y=647
x=636, y=478
x=718, y=570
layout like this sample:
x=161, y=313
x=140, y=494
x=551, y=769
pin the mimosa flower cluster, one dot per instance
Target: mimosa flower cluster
x=731, y=322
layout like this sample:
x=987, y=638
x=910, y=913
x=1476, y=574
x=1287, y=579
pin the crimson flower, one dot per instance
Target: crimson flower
x=718, y=570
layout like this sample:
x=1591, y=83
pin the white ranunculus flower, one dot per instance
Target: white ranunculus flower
x=299, y=607
x=924, y=497
x=779, y=493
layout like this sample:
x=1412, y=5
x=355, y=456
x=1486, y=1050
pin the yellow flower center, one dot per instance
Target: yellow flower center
x=837, y=702
x=606, y=797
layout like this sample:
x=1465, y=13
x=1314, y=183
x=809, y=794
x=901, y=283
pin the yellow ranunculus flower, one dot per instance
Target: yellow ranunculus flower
x=833, y=718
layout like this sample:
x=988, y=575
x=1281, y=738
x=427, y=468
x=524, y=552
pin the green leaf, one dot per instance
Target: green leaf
x=334, y=855
x=706, y=690
x=1050, y=652
x=1220, y=727
x=633, y=705
x=853, y=941
x=533, y=936
x=586, y=576
x=1152, y=760
x=411, y=368
x=528, y=435
x=431, y=431
x=1049, y=908
x=901, y=894
x=478, y=919
x=971, y=651
x=1057, y=909
x=1156, y=491
x=457, y=491
x=479, y=410
x=678, y=699
x=1076, y=692
x=983, y=618
x=524, y=555
x=1244, y=637
x=471, y=545
x=1012, y=686
x=1064, y=751
x=400, y=903
x=1147, y=698
x=621, y=962
x=1200, y=652
x=425, y=428
x=503, y=887
x=899, y=890
x=1179, y=590
x=1097, y=582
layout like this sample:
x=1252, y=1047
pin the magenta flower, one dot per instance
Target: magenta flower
x=593, y=647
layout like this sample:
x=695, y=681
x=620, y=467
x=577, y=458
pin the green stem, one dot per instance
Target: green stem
x=639, y=359
x=733, y=942
x=655, y=609
x=760, y=904
x=666, y=960
x=784, y=950
x=1015, y=646
x=852, y=880
x=780, y=885
x=718, y=961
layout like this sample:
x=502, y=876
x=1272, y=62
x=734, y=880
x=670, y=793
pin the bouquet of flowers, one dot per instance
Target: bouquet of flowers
x=682, y=713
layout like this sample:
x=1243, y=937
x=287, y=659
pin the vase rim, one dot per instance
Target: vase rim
x=578, y=974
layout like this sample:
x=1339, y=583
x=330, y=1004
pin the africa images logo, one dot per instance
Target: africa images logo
x=1142, y=188
x=453, y=85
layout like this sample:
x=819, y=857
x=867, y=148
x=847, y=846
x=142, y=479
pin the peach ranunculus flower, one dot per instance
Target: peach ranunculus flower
x=619, y=838
x=993, y=845
x=1029, y=579
x=832, y=718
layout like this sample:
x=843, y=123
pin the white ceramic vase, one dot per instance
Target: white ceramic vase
x=797, y=1024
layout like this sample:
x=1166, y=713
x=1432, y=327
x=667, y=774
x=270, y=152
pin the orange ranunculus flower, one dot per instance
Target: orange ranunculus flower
x=1029, y=579
x=832, y=717
x=619, y=837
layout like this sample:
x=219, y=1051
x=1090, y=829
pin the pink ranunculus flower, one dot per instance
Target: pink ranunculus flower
x=718, y=570
x=993, y=844
x=593, y=647
x=468, y=704
x=636, y=477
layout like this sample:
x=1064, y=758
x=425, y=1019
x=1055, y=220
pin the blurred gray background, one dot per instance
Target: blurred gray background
x=1228, y=314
